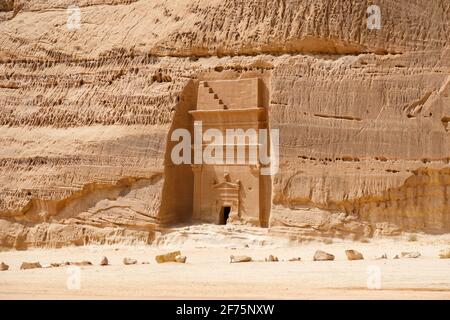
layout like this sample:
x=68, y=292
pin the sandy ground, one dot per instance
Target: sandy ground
x=207, y=273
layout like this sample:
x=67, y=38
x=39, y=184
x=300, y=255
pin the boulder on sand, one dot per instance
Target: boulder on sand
x=81, y=263
x=104, y=261
x=272, y=258
x=323, y=256
x=129, y=261
x=238, y=259
x=30, y=265
x=444, y=254
x=354, y=255
x=3, y=266
x=168, y=257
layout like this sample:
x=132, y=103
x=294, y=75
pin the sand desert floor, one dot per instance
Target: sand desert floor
x=208, y=273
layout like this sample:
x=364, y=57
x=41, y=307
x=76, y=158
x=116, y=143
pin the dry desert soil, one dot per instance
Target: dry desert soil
x=207, y=274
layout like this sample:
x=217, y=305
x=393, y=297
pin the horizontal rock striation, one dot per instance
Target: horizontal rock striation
x=85, y=114
x=350, y=143
x=230, y=27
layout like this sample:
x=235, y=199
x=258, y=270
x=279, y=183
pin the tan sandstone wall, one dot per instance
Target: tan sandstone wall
x=354, y=129
x=85, y=114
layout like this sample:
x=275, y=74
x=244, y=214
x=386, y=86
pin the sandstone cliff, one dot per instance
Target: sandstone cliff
x=84, y=114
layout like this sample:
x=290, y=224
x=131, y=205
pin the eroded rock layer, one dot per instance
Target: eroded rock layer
x=354, y=131
x=85, y=114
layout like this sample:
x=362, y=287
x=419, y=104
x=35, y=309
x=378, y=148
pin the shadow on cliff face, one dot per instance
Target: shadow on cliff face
x=177, y=195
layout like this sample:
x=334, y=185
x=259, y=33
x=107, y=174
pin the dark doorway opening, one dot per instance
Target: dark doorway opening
x=225, y=214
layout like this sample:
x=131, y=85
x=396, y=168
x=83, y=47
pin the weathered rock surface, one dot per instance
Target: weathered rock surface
x=84, y=114
x=208, y=27
x=30, y=265
x=3, y=266
x=168, y=257
x=57, y=264
x=354, y=255
x=180, y=259
x=320, y=255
